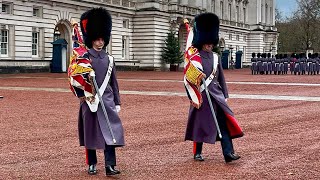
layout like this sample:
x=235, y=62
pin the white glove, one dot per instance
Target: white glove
x=118, y=108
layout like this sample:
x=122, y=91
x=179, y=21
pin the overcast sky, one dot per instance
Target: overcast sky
x=286, y=6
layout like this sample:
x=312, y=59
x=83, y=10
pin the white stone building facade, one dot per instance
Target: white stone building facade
x=28, y=28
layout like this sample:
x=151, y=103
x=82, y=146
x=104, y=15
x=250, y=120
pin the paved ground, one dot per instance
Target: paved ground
x=279, y=115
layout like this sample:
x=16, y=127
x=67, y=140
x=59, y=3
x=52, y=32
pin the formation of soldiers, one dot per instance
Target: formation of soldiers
x=297, y=64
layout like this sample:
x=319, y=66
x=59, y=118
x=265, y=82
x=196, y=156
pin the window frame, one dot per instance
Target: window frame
x=39, y=9
x=36, y=44
x=7, y=42
x=124, y=46
x=9, y=5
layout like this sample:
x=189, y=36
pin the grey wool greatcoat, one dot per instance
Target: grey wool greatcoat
x=201, y=126
x=93, y=129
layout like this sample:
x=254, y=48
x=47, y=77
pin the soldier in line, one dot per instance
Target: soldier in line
x=297, y=65
x=303, y=63
x=292, y=63
x=277, y=65
x=259, y=63
x=316, y=56
x=286, y=63
x=253, y=64
x=309, y=65
x=281, y=64
x=264, y=64
x=269, y=64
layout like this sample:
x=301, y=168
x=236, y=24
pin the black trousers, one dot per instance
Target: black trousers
x=226, y=141
x=109, y=156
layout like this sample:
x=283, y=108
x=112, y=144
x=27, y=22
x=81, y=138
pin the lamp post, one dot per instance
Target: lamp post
x=231, y=58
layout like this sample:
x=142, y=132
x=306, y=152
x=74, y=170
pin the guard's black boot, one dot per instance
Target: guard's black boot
x=231, y=157
x=110, y=170
x=198, y=151
x=92, y=170
x=198, y=157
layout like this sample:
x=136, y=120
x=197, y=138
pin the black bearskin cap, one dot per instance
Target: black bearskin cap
x=280, y=56
x=269, y=55
x=253, y=55
x=96, y=23
x=206, y=30
x=259, y=55
x=316, y=55
x=277, y=56
x=285, y=56
x=264, y=55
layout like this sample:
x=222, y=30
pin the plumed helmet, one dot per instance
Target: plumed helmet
x=96, y=23
x=205, y=30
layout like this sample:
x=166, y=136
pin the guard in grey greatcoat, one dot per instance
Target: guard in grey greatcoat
x=314, y=65
x=259, y=63
x=281, y=64
x=303, y=62
x=264, y=63
x=94, y=134
x=316, y=56
x=297, y=66
x=253, y=64
x=286, y=63
x=201, y=127
x=277, y=65
x=269, y=64
x=309, y=65
x=292, y=63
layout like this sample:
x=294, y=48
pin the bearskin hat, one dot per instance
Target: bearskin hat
x=269, y=55
x=316, y=55
x=253, y=55
x=285, y=56
x=205, y=30
x=259, y=55
x=96, y=23
x=280, y=56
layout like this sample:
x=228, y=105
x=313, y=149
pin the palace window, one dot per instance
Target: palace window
x=213, y=6
x=230, y=12
x=124, y=47
x=221, y=9
x=266, y=18
x=244, y=15
x=37, y=12
x=230, y=36
x=6, y=7
x=35, y=44
x=4, y=42
x=237, y=14
x=125, y=23
x=237, y=37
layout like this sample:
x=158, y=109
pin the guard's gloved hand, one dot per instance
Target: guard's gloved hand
x=118, y=108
